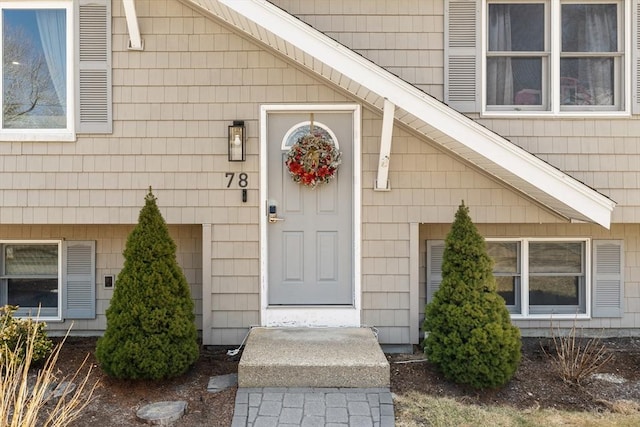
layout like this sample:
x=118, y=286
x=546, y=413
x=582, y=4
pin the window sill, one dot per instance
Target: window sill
x=550, y=317
x=551, y=115
x=33, y=135
x=47, y=319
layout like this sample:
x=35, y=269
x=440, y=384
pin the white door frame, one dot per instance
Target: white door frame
x=310, y=315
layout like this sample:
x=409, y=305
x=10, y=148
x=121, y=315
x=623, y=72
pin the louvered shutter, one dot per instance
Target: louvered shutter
x=93, y=47
x=635, y=59
x=79, y=278
x=435, y=249
x=462, y=55
x=608, y=278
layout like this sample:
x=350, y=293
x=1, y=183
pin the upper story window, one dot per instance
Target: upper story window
x=37, y=72
x=555, y=56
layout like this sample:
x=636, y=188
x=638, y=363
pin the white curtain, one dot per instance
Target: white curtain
x=600, y=36
x=53, y=29
x=593, y=29
x=499, y=73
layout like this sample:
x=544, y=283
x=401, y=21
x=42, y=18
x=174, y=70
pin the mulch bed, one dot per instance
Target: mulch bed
x=536, y=384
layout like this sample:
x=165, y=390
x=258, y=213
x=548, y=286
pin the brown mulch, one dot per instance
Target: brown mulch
x=535, y=385
x=116, y=401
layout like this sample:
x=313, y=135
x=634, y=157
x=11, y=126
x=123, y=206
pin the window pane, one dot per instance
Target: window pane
x=514, y=81
x=32, y=292
x=555, y=257
x=554, y=290
x=506, y=270
x=504, y=255
x=30, y=260
x=34, y=67
x=587, y=81
x=516, y=27
x=589, y=28
x=507, y=289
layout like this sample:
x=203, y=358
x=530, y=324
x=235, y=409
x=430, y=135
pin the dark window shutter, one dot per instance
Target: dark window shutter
x=93, y=50
x=608, y=278
x=79, y=278
x=435, y=250
x=462, y=55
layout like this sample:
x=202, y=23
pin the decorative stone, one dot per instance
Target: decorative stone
x=222, y=382
x=162, y=413
x=610, y=378
x=63, y=389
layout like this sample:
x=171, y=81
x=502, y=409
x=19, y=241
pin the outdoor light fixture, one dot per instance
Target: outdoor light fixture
x=237, y=142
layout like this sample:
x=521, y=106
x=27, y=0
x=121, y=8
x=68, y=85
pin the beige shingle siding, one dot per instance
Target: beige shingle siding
x=602, y=153
x=172, y=105
x=427, y=186
x=405, y=37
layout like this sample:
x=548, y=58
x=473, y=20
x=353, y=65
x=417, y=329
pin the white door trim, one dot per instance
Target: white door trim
x=314, y=315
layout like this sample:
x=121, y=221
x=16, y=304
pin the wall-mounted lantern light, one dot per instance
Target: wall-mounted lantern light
x=237, y=142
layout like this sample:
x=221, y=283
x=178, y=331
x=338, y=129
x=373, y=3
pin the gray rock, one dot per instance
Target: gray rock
x=162, y=413
x=63, y=389
x=222, y=382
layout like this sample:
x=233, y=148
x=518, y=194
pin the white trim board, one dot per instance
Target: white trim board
x=311, y=315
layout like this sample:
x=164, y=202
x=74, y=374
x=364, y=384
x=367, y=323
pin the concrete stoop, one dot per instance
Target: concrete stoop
x=313, y=357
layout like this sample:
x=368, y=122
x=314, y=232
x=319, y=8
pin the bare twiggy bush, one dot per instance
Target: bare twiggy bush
x=27, y=399
x=577, y=358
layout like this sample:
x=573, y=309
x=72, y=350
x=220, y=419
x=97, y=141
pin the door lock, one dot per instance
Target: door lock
x=273, y=215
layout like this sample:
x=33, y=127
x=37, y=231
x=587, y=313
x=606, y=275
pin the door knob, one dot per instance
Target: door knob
x=273, y=215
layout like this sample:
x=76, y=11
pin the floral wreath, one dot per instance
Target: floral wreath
x=313, y=160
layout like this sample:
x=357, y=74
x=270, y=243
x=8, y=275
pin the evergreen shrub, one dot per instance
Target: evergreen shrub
x=150, y=331
x=468, y=331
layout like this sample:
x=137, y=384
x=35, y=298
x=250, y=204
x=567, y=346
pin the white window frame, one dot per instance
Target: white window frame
x=524, y=278
x=32, y=311
x=552, y=18
x=68, y=133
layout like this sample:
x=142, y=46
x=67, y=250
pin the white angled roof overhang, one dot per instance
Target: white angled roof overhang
x=311, y=49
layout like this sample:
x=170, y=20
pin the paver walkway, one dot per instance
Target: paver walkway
x=330, y=407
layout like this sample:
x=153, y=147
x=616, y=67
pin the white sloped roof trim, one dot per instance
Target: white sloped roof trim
x=518, y=168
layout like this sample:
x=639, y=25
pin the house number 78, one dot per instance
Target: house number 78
x=243, y=179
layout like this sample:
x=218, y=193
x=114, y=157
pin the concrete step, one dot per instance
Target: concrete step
x=313, y=357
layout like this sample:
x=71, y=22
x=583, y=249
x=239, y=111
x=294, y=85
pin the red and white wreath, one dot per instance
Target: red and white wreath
x=313, y=160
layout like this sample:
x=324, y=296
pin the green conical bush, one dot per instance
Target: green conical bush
x=150, y=331
x=468, y=331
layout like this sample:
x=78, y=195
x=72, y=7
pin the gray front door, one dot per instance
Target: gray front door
x=310, y=250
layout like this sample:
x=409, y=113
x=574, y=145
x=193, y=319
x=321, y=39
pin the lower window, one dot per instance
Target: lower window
x=30, y=277
x=541, y=276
